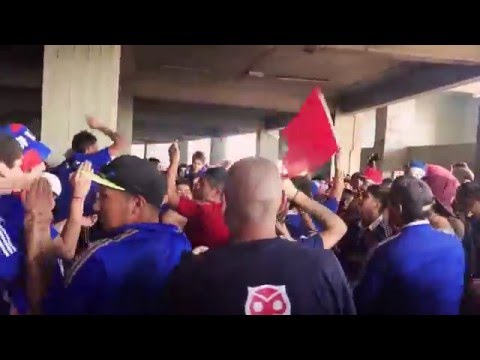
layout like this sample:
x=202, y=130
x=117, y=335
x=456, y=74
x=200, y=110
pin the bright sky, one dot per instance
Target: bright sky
x=237, y=147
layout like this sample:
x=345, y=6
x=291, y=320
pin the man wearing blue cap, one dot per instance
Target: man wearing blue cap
x=21, y=157
x=35, y=153
x=85, y=148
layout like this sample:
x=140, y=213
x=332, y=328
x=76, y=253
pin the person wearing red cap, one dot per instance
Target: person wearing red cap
x=444, y=189
x=371, y=173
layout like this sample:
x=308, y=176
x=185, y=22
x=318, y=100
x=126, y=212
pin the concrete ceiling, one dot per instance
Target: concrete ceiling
x=274, y=77
x=202, y=90
x=279, y=77
x=163, y=121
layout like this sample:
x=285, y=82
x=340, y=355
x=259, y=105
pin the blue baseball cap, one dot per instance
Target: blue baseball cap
x=417, y=164
x=34, y=152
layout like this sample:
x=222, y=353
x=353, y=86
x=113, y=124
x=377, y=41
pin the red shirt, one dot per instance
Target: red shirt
x=206, y=223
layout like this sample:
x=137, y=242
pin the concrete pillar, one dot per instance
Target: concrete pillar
x=476, y=167
x=380, y=131
x=145, y=150
x=125, y=118
x=78, y=80
x=125, y=95
x=218, y=148
x=268, y=144
x=183, y=147
x=349, y=137
x=395, y=127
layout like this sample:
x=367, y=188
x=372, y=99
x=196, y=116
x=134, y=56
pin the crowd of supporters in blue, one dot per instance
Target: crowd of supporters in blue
x=106, y=233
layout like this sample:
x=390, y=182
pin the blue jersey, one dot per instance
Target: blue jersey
x=69, y=166
x=121, y=274
x=12, y=250
x=418, y=272
x=296, y=226
x=9, y=259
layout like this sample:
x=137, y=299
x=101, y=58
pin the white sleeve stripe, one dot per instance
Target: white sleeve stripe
x=5, y=244
x=8, y=242
x=2, y=246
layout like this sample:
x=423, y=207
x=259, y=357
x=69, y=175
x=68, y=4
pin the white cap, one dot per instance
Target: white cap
x=54, y=181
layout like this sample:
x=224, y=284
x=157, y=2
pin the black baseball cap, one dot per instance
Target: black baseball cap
x=412, y=194
x=135, y=176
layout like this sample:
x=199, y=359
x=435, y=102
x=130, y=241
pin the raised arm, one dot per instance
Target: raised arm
x=38, y=203
x=65, y=245
x=119, y=142
x=334, y=227
x=338, y=180
x=173, y=197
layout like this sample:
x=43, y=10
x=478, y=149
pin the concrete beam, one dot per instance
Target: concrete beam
x=22, y=77
x=446, y=54
x=402, y=86
x=233, y=93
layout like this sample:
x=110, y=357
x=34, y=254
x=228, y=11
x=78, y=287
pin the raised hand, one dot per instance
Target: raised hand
x=289, y=189
x=93, y=123
x=39, y=199
x=174, y=152
x=81, y=180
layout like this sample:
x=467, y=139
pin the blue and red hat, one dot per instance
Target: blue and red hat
x=34, y=152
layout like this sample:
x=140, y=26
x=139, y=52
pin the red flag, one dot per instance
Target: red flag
x=309, y=136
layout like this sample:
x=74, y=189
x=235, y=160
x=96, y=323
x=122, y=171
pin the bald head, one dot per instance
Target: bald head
x=253, y=193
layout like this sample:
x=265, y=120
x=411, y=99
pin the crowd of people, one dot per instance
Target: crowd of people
x=106, y=233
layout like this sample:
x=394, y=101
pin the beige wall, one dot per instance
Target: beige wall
x=443, y=119
x=436, y=128
x=443, y=155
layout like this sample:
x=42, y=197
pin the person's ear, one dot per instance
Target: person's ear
x=138, y=203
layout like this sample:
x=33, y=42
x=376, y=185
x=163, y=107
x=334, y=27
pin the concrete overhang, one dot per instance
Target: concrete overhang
x=443, y=54
x=402, y=86
x=273, y=79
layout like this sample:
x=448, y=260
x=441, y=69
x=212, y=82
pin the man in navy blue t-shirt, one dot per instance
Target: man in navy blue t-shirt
x=85, y=148
x=259, y=273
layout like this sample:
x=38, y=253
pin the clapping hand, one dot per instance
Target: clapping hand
x=39, y=201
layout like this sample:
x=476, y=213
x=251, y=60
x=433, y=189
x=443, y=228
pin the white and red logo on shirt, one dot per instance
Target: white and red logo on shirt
x=267, y=300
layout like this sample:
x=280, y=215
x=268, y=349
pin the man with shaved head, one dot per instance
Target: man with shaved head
x=258, y=273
